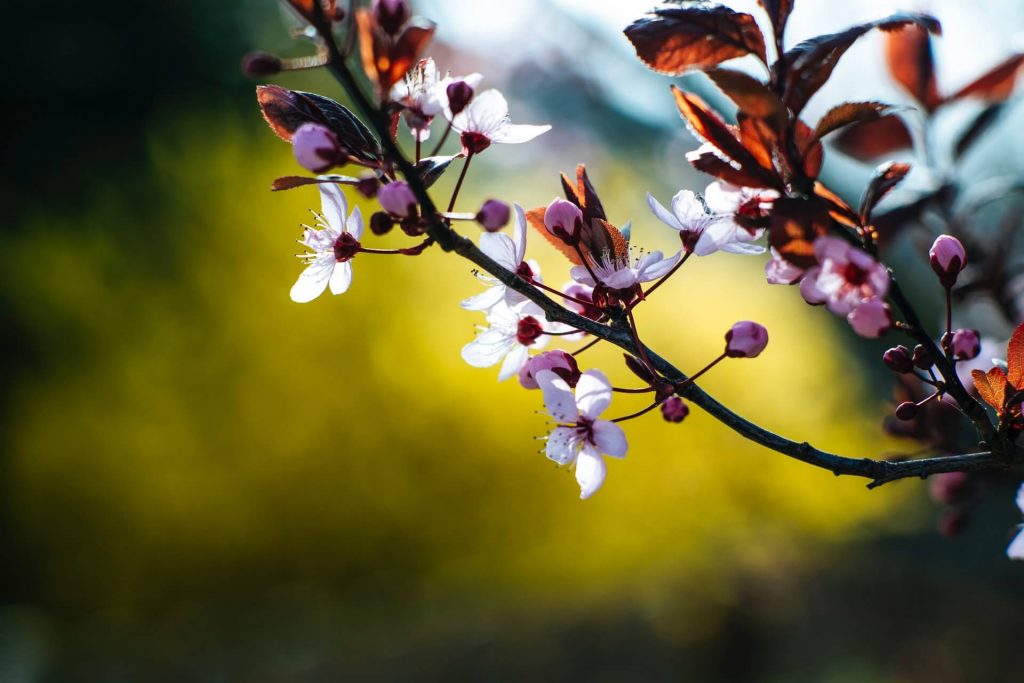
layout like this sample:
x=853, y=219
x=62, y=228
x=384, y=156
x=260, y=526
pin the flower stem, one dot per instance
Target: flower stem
x=633, y=391
x=586, y=346
x=641, y=351
x=458, y=184
x=583, y=260
x=440, y=143
x=567, y=297
x=637, y=413
x=664, y=277
x=693, y=378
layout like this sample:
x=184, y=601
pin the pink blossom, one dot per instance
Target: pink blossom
x=316, y=148
x=397, y=199
x=705, y=228
x=512, y=332
x=509, y=253
x=779, y=271
x=948, y=258
x=745, y=339
x=844, y=278
x=564, y=220
x=561, y=363
x=424, y=94
x=966, y=344
x=493, y=215
x=870, y=318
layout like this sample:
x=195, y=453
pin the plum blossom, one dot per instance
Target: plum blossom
x=870, y=318
x=508, y=252
x=1016, y=549
x=512, y=332
x=333, y=244
x=745, y=339
x=486, y=120
x=424, y=94
x=561, y=363
x=581, y=437
x=705, y=228
x=844, y=278
x=623, y=273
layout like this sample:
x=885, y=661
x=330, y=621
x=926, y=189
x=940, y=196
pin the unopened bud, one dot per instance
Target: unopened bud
x=966, y=344
x=948, y=258
x=674, y=409
x=559, y=362
x=638, y=368
x=493, y=215
x=745, y=339
x=460, y=94
x=261, y=64
x=564, y=220
x=391, y=15
x=316, y=148
x=368, y=186
x=952, y=523
x=397, y=199
x=922, y=358
x=907, y=411
x=898, y=359
x=381, y=223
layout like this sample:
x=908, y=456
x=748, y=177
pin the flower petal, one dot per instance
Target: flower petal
x=590, y=472
x=519, y=234
x=313, y=280
x=341, y=278
x=593, y=393
x=354, y=224
x=489, y=347
x=558, y=397
x=514, y=362
x=485, y=300
x=689, y=210
x=610, y=439
x=501, y=248
x=333, y=205
x=562, y=445
x=663, y=214
x=516, y=133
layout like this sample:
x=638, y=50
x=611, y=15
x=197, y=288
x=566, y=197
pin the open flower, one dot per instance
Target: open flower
x=845, y=277
x=512, y=332
x=332, y=245
x=486, y=120
x=580, y=436
x=625, y=273
x=424, y=95
x=509, y=253
x=704, y=229
x=1016, y=549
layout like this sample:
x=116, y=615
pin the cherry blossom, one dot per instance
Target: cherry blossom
x=580, y=436
x=625, y=273
x=486, y=120
x=561, y=363
x=424, y=95
x=779, y=271
x=704, y=229
x=845, y=277
x=333, y=244
x=512, y=332
x=507, y=252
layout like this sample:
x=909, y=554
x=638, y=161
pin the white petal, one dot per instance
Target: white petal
x=341, y=278
x=501, y=248
x=333, y=205
x=485, y=300
x=562, y=445
x=662, y=214
x=590, y=472
x=737, y=247
x=1016, y=549
x=717, y=234
x=593, y=393
x=655, y=270
x=558, y=397
x=610, y=439
x=620, y=279
x=354, y=224
x=689, y=210
x=581, y=275
x=723, y=197
x=519, y=234
x=516, y=133
x=489, y=347
x=514, y=362
x=313, y=280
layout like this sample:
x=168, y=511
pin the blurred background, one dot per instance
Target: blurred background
x=201, y=480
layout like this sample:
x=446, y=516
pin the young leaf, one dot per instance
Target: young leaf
x=871, y=139
x=354, y=136
x=908, y=52
x=996, y=84
x=676, y=39
x=849, y=113
x=809, y=64
x=795, y=223
x=778, y=13
x=991, y=387
x=985, y=118
x=290, y=182
x=583, y=194
x=886, y=177
x=432, y=168
x=752, y=97
x=809, y=147
x=1015, y=358
x=838, y=209
x=707, y=161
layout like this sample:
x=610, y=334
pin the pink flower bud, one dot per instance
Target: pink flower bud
x=898, y=359
x=391, y=15
x=559, y=362
x=460, y=94
x=493, y=215
x=368, y=185
x=948, y=488
x=871, y=318
x=397, y=199
x=922, y=357
x=966, y=344
x=261, y=64
x=907, y=411
x=948, y=258
x=745, y=339
x=674, y=409
x=564, y=220
x=316, y=148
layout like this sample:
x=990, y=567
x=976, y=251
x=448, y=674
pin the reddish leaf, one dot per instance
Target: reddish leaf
x=709, y=162
x=535, y=219
x=406, y=52
x=838, y=209
x=677, y=39
x=307, y=9
x=751, y=96
x=795, y=223
x=995, y=84
x=709, y=128
x=909, y=55
x=760, y=139
x=978, y=125
x=991, y=387
x=809, y=64
x=778, y=13
x=872, y=139
x=849, y=113
x=810, y=149
x=284, y=110
x=290, y=182
x=886, y=177
x=1015, y=358
x=583, y=194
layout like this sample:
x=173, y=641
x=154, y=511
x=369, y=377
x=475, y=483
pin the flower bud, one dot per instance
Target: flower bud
x=952, y=523
x=745, y=339
x=898, y=359
x=397, y=199
x=922, y=358
x=948, y=258
x=966, y=344
x=368, y=185
x=559, y=362
x=391, y=15
x=381, y=223
x=674, y=409
x=261, y=64
x=948, y=488
x=316, y=148
x=638, y=368
x=564, y=220
x=493, y=215
x=460, y=94
x=907, y=411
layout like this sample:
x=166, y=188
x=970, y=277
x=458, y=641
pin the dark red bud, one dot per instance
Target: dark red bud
x=638, y=368
x=460, y=94
x=381, y=223
x=898, y=359
x=952, y=523
x=261, y=64
x=368, y=186
x=906, y=411
x=674, y=410
x=922, y=358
